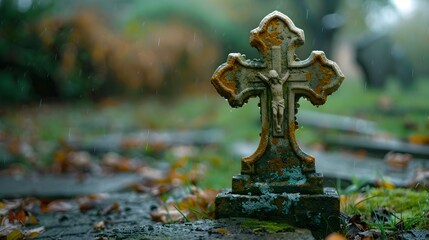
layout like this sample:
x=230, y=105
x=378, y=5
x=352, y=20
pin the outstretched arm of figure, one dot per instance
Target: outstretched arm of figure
x=286, y=76
x=264, y=78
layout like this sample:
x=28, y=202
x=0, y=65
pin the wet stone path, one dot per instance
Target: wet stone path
x=133, y=221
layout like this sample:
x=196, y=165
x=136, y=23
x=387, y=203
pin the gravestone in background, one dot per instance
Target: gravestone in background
x=379, y=58
x=279, y=181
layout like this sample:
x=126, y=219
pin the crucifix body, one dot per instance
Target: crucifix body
x=279, y=79
x=277, y=102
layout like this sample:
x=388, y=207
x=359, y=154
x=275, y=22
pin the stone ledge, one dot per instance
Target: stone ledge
x=317, y=212
x=246, y=184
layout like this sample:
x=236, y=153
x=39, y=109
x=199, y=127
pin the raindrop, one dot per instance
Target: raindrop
x=306, y=16
x=159, y=41
x=147, y=141
x=195, y=35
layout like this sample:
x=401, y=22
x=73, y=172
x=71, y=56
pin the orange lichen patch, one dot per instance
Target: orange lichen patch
x=269, y=35
x=223, y=81
x=277, y=164
x=324, y=82
x=250, y=160
x=238, y=186
x=275, y=141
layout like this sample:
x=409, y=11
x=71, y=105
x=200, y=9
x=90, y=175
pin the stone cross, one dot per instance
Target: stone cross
x=279, y=79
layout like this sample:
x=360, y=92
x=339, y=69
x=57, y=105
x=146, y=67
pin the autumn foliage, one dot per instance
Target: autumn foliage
x=81, y=56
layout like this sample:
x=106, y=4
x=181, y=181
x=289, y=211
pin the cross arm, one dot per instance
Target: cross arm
x=316, y=77
x=236, y=80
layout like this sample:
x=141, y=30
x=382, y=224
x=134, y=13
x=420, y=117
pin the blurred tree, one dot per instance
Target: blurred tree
x=24, y=66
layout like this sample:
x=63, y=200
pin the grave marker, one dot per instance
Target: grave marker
x=279, y=180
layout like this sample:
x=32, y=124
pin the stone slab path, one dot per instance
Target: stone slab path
x=64, y=186
x=134, y=222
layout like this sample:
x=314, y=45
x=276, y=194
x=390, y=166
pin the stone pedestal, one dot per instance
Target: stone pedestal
x=317, y=212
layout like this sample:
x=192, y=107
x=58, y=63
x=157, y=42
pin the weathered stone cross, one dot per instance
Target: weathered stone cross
x=279, y=79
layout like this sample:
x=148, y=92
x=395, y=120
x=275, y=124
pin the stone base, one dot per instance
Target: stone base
x=317, y=212
x=244, y=184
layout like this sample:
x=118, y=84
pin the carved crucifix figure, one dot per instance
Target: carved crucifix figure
x=278, y=101
x=279, y=180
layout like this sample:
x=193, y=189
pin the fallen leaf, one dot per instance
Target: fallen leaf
x=59, y=206
x=15, y=235
x=335, y=236
x=152, y=173
x=33, y=232
x=397, y=160
x=355, y=225
x=114, y=207
x=31, y=219
x=223, y=231
x=385, y=184
x=419, y=139
x=86, y=206
x=19, y=217
x=169, y=213
x=98, y=226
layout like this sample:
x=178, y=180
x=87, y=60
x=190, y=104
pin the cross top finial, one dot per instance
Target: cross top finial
x=279, y=79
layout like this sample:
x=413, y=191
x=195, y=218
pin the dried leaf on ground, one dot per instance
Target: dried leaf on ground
x=419, y=139
x=355, y=225
x=98, y=226
x=169, y=213
x=114, y=207
x=91, y=201
x=223, y=231
x=335, y=236
x=58, y=206
x=198, y=203
x=32, y=233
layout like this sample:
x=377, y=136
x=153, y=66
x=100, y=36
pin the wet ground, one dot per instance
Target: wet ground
x=133, y=221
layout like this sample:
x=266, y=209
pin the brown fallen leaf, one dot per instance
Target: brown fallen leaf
x=223, y=231
x=114, y=207
x=18, y=217
x=58, y=206
x=335, y=236
x=169, y=213
x=90, y=201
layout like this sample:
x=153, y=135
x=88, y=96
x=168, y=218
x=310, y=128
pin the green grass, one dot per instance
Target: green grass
x=266, y=226
x=85, y=120
x=403, y=209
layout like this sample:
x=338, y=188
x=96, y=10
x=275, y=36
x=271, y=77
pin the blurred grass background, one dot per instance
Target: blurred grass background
x=88, y=68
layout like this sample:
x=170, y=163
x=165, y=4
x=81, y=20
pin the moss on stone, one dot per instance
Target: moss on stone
x=267, y=226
